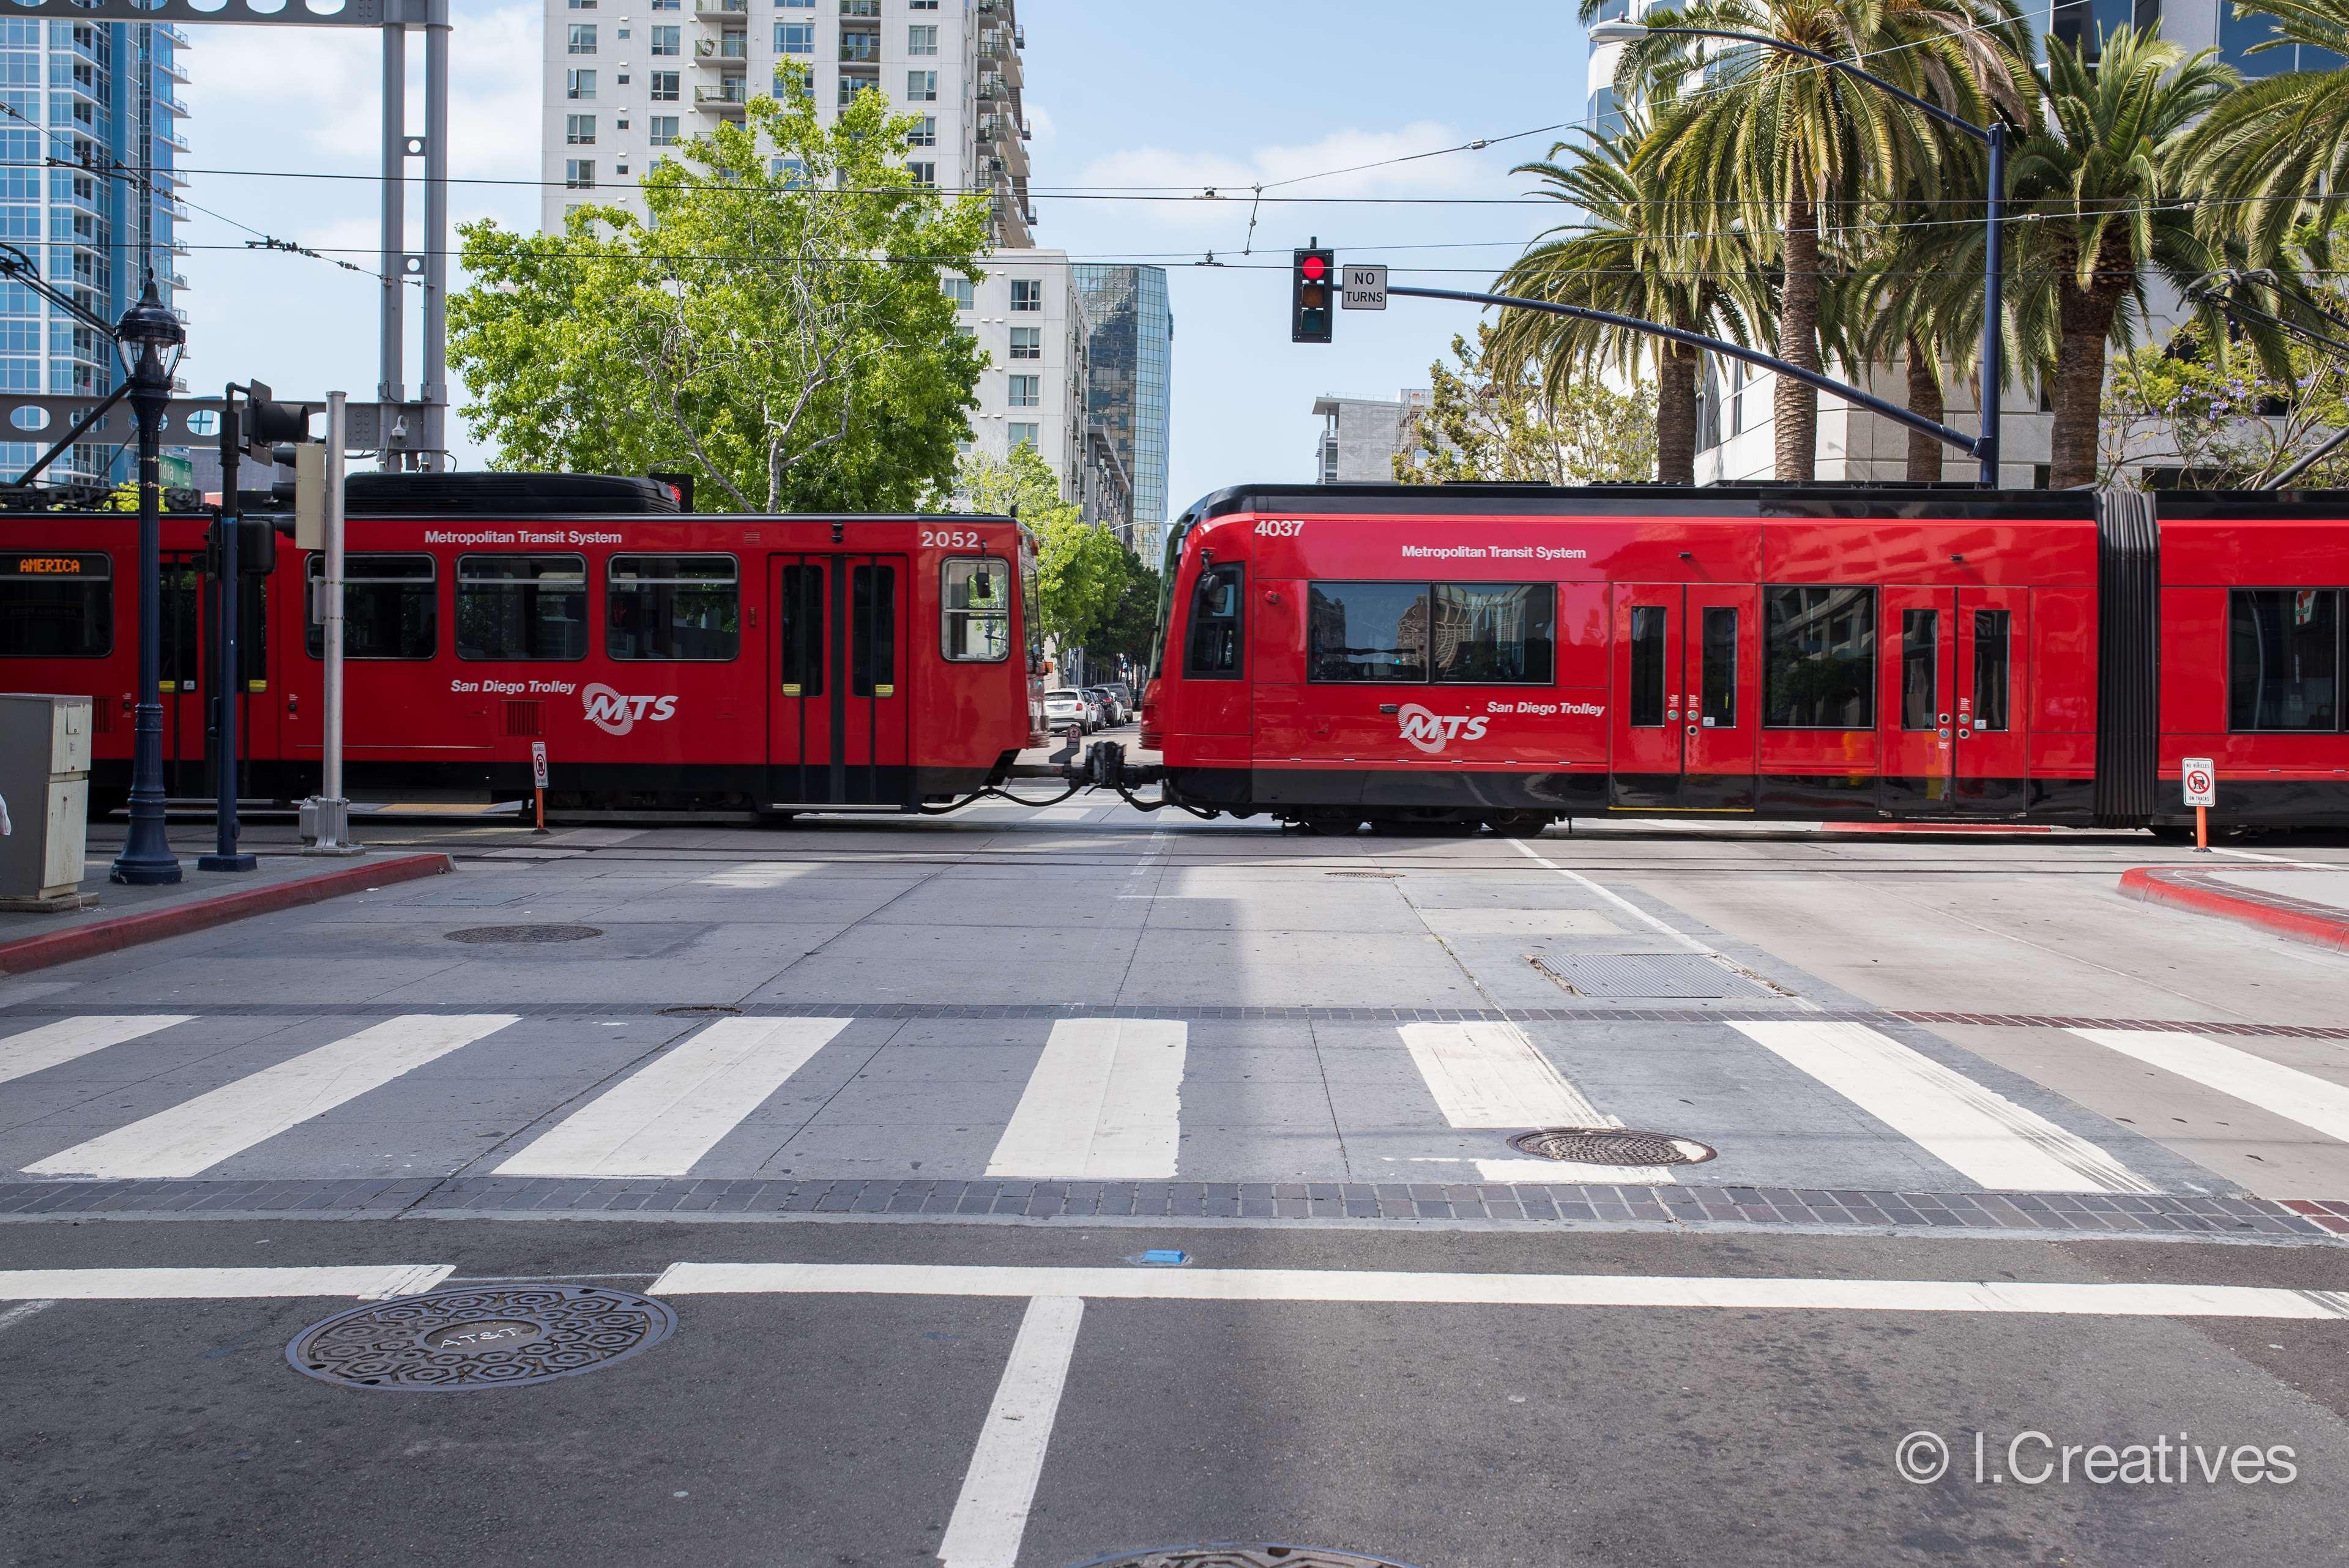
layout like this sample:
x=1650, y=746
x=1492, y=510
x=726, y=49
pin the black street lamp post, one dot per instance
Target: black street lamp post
x=149, y=339
x=1993, y=136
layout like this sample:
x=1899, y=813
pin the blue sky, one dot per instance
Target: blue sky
x=1121, y=93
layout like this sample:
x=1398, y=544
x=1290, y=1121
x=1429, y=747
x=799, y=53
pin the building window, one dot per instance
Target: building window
x=960, y=290
x=2283, y=659
x=789, y=170
x=668, y=4
x=579, y=129
x=1027, y=391
x=579, y=84
x=851, y=84
x=665, y=86
x=623, y=78
x=795, y=37
x=921, y=4
x=976, y=624
x=1027, y=343
x=623, y=123
x=925, y=174
x=921, y=87
x=925, y=134
x=922, y=40
x=664, y=130
x=582, y=37
x=1022, y=433
x=672, y=607
x=666, y=41
x=860, y=7
x=1026, y=294
x=521, y=606
x=1818, y=658
x=583, y=4
x=794, y=4
x=579, y=174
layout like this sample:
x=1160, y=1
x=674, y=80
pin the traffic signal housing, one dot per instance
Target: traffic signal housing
x=1313, y=279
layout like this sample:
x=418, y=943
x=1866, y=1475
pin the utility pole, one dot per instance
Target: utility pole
x=333, y=810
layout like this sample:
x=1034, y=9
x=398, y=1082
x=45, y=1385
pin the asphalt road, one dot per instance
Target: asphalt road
x=1400, y=1336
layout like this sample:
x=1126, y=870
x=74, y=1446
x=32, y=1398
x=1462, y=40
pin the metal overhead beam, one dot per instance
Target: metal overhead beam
x=407, y=433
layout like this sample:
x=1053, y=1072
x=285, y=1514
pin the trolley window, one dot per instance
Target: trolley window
x=1718, y=677
x=1994, y=665
x=1920, y=669
x=872, y=631
x=1818, y=666
x=1495, y=633
x=55, y=604
x=1650, y=646
x=975, y=617
x=391, y=608
x=1212, y=647
x=2283, y=659
x=679, y=608
x=799, y=631
x=521, y=606
x=1374, y=632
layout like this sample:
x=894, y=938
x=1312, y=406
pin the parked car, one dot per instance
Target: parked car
x=1112, y=710
x=1124, y=695
x=1065, y=705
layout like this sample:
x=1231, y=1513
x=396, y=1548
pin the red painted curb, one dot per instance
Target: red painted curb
x=155, y=925
x=2303, y=920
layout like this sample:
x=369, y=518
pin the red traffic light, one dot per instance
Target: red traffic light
x=1314, y=268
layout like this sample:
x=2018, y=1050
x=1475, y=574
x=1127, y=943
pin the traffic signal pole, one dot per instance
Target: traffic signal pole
x=228, y=682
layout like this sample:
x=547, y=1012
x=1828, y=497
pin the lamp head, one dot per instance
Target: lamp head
x=1605, y=33
x=150, y=340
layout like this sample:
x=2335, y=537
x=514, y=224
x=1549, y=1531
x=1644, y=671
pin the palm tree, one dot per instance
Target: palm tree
x=1797, y=151
x=2101, y=195
x=1625, y=252
x=2279, y=147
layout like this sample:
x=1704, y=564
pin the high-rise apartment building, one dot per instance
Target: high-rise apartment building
x=1027, y=318
x=626, y=80
x=1130, y=360
x=75, y=96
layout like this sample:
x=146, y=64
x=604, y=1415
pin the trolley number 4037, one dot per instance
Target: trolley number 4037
x=1281, y=528
x=950, y=539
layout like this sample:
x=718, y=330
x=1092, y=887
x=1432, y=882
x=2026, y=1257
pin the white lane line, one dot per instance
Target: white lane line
x=670, y=1112
x=2061, y=1298
x=377, y=1282
x=1491, y=1075
x=2281, y=860
x=197, y=1134
x=1104, y=1103
x=51, y=1044
x=1981, y=1134
x=2311, y=1101
x=1652, y=923
x=991, y=1513
x=23, y=1310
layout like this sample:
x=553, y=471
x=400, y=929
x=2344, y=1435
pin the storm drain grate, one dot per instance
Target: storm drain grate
x=702, y=1010
x=1611, y=1146
x=524, y=933
x=1238, y=1554
x=1367, y=876
x=488, y=1339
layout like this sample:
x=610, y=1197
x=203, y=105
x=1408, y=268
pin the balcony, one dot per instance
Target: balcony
x=859, y=48
x=172, y=139
x=172, y=68
x=725, y=99
x=177, y=37
x=721, y=8
x=164, y=100
x=729, y=50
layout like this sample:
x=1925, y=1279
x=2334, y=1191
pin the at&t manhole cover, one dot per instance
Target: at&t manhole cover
x=489, y=1338
x=481, y=933
x=1238, y=1554
x=1611, y=1146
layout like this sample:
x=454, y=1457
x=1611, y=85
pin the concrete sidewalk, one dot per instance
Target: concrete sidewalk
x=2306, y=904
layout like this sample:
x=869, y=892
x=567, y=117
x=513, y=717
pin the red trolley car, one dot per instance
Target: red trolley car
x=665, y=659
x=1509, y=655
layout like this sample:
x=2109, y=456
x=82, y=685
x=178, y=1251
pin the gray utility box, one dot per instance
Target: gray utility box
x=45, y=778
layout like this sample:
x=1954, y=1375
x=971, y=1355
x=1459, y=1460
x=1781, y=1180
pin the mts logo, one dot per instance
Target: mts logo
x=616, y=713
x=1430, y=731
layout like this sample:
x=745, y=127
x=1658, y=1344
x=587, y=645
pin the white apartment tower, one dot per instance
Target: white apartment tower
x=627, y=78
x=1029, y=317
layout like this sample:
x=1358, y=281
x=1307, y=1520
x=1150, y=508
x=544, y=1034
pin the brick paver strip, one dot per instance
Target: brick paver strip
x=97, y=936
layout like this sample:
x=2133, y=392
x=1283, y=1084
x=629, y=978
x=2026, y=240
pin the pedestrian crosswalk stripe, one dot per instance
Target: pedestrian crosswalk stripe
x=49, y=1044
x=673, y=1110
x=1983, y=1135
x=1491, y=1075
x=2314, y=1102
x=1104, y=1103
x=197, y=1134
x=367, y=1282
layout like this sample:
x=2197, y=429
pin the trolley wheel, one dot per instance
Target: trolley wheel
x=1332, y=824
x=1519, y=824
x=1424, y=821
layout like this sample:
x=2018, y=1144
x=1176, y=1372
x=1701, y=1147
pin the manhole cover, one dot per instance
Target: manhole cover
x=489, y=1338
x=481, y=934
x=700, y=1010
x=1238, y=1554
x=1611, y=1146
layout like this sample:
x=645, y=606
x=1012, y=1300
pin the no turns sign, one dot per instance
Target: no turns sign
x=2201, y=781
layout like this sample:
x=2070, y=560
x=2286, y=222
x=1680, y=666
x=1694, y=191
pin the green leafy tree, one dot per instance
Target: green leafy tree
x=2279, y=147
x=1628, y=250
x=1133, y=622
x=1483, y=421
x=775, y=324
x=2187, y=413
x=1081, y=568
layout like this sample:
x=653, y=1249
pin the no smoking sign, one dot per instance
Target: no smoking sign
x=2201, y=781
